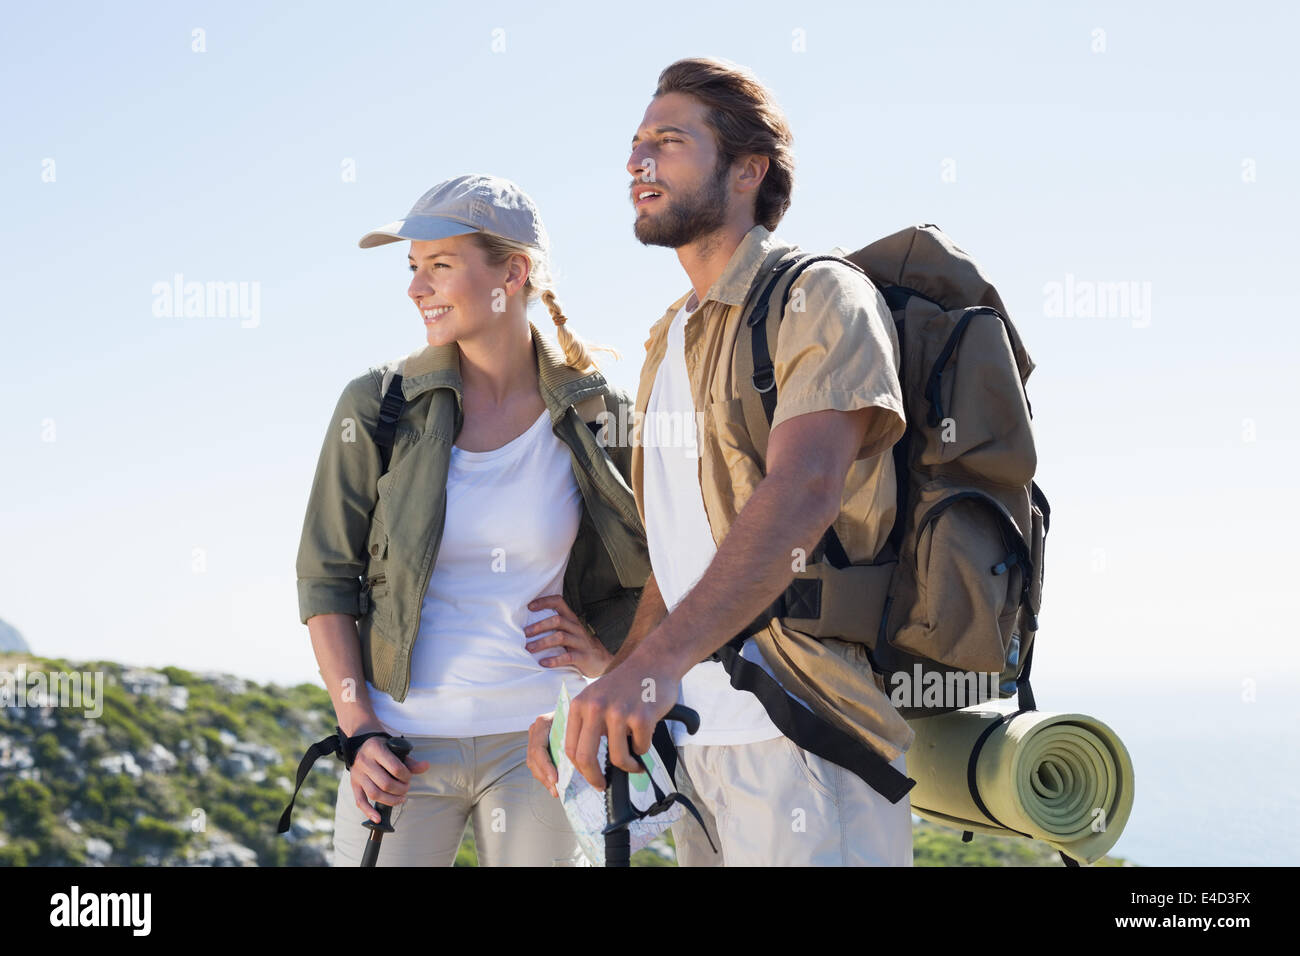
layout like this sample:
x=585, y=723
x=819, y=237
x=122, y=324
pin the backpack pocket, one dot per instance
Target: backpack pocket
x=968, y=398
x=970, y=564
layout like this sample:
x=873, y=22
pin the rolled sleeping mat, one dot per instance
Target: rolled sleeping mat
x=1065, y=779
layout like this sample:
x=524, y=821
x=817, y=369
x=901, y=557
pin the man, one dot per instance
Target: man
x=712, y=176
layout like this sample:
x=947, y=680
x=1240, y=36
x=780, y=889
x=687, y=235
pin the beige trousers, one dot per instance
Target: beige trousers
x=481, y=779
x=773, y=803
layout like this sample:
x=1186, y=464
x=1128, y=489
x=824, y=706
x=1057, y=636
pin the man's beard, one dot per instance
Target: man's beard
x=688, y=217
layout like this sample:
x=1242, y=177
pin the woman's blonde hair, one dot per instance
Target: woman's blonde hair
x=577, y=353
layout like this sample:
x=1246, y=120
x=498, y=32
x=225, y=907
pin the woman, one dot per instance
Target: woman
x=448, y=595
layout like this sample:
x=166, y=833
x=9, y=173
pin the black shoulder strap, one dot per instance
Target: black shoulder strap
x=390, y=409
x=764, y=377
x=764, y=373
x=809, y=731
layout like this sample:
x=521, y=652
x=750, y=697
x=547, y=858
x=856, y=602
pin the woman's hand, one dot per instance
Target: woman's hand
x=581, y=649
x=539, y=753
x=377, y=774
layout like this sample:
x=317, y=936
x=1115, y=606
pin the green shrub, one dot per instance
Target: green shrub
x=45, y=750
x=153, y=830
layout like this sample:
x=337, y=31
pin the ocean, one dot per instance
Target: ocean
x=1217, y=774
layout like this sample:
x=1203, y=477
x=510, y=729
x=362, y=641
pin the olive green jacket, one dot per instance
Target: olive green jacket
x=369, y=542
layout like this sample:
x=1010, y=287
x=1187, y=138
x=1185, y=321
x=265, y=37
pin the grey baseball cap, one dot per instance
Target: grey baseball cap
x=463, y=205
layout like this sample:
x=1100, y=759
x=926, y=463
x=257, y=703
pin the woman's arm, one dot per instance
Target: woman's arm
x=332, y=551
x=338, y=652
x=376, y=774
x=331, y=560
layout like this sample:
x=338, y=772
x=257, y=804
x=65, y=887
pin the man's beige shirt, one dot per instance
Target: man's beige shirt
x=839, y=352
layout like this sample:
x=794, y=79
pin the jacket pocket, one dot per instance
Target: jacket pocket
x=970, y=564
x=739, y=456
x=375, y=607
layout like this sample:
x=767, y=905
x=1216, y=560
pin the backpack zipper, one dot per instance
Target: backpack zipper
x=934, y=382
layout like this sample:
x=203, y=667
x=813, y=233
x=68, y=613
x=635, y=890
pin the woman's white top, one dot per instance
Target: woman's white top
x=512, y=517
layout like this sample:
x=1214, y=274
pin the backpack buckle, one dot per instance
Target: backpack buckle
x=803, y=598
x=768, y=375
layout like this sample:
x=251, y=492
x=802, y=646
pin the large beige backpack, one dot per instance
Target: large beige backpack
x=949, y=609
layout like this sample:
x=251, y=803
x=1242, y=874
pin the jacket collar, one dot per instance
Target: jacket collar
x=561, y=385
x=755, y=250
x=759, y=249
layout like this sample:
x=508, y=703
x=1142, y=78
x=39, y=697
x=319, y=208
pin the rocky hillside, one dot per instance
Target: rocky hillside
x=178, y=769
x=186, y=769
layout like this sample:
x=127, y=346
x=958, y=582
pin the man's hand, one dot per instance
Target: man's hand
x=627, y=702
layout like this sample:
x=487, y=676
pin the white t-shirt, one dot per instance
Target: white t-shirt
x=681, y=547
x=512, y=516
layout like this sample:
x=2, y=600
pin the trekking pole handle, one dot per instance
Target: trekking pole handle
x=684, y=715
x=616, y=777
x=619, y=811
x=680, y=713
x=400, y=748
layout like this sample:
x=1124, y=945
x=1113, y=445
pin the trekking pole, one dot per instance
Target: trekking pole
x=400, y=748
x=619, y=811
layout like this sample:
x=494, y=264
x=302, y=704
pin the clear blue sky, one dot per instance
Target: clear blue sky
x=1167, y=446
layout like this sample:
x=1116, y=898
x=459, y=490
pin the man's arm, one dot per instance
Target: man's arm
x=791, y=508
x=809, y=458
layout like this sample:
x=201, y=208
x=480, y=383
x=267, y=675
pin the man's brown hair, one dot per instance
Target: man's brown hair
x=745, y=118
